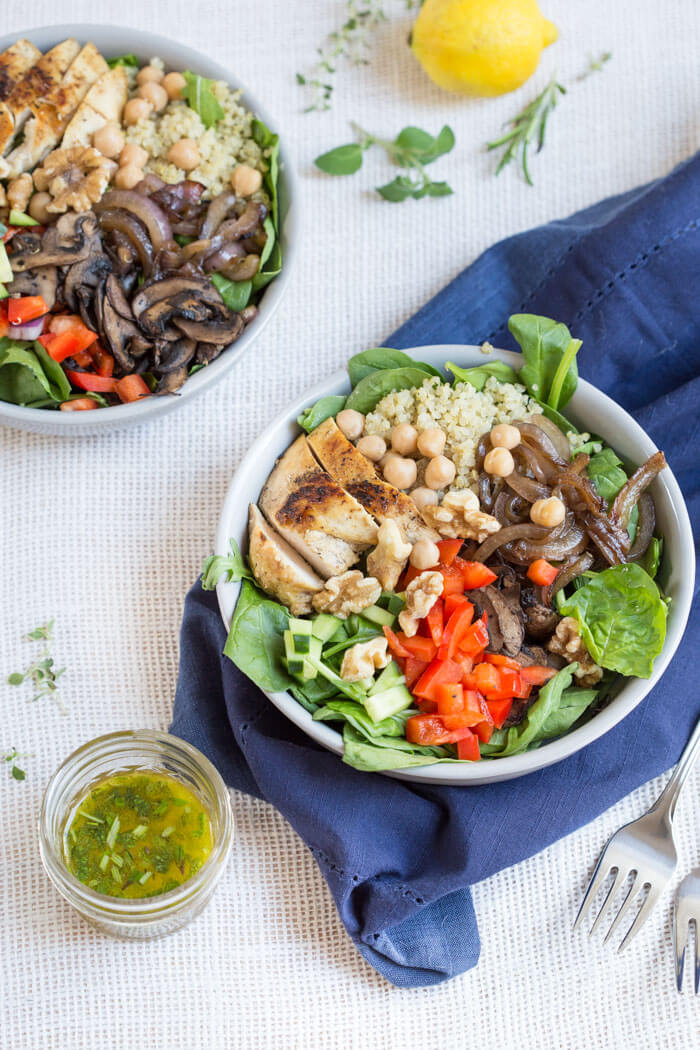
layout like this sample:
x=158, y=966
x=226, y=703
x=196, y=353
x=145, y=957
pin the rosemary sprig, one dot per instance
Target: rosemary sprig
x=41, y=673
x=595, y=65
x=529, y=126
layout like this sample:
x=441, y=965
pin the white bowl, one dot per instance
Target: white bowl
x=591, y=411
x=117, y=40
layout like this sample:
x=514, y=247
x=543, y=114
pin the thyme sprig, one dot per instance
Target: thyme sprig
x=42, y=672
x=527, y=127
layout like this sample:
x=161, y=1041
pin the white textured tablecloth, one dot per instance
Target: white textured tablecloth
x=107, y=534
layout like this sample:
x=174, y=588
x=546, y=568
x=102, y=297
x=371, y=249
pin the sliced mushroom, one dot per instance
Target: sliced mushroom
x=118, y=332
x=153, y=291
x=510, y=623
x=540, y=621
x=86, y=274
x=222, y=332
x=253, y=214
x=207, y=352
x=154, y=319
x=41, y=281
x=175, y=356
x=68, y=242
x=172, y=381
x=117, y=297
x=139, y=346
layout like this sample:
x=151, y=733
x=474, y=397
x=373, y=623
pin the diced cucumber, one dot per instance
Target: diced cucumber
x=355, y=690
x=366, y=683
x=295, y=662
x=20, y=218
x=382, y=617
x=6, y=274
x=388, y=703
x=324, y=626
x=390, y=676
x=395, y=604
x=301, y=634
x=3, y=292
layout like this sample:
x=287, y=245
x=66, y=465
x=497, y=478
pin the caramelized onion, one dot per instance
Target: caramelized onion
x=645, y=527
x=526, y=487
x=117, y=220
x=629, y=494
x=572, y=568
x=216, y=213
x=558, y=439
x=508, y=535
x=143, y=208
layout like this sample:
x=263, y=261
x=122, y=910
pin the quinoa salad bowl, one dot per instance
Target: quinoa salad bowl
x=148, y=218
x=328, y=598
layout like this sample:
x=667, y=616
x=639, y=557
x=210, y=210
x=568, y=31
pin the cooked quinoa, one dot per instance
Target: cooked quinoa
x=463, y=412
x=228, y=143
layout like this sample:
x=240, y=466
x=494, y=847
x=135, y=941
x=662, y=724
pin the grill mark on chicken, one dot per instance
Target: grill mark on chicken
x=314, y=489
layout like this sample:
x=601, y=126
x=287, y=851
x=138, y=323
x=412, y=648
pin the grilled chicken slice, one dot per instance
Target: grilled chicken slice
x=356, y=474
x=38, y=83
x=104, y=102
x=277, y=567
x=51, y=113
x=313, y=514
x=14, y=64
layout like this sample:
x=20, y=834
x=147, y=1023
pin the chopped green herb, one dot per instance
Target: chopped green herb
x=41, y=673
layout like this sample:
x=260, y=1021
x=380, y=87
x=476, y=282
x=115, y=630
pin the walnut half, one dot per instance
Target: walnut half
x=388, y=559
x=75, y=177
x=459, y=517
x=421, y=595
x=363, y=659
x=347, y=594
x=567, y=642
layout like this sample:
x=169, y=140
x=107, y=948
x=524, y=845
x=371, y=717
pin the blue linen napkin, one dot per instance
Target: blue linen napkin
x=399, y=858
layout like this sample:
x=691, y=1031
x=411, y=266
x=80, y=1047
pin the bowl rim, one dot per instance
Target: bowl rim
x=632, y=692
x=146, y=42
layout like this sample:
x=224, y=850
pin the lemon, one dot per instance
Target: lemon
x=480, y=47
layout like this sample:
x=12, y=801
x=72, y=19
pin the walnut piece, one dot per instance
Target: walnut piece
x=19, y=191
x=388, y=559
x=568, y=643
x=363, y=659
x=421, y=595
x=459, y=517
x=347, y=594
x=75, y=177
x=3, y=197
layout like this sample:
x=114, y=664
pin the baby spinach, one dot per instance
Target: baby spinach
x=269, y=142
x=380, y=358
x=543, y=712
x=231, y=565
x=652, y=558
x=124, y=60
x=621, y=617
x=236, y=294
x=199, y=96
x=326, y=407
x=370, y=390
x=255, y=643
x=354, y=714
x=549, y=372
x=28, y=376
x=479, y=374
x=388, y=752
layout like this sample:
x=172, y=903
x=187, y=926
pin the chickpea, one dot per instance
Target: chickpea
x=424, y=497
x=135, y=110
x=431, y=442
x=548, y=512
x=128, y=176
x=149, y=75
x=184, y=154
x=385, y=459
x=505, y=436
x=245, y=180
x=400, y=472
x=499, y=462
x=155, y=94
x=133, y=154
x=372, y=446
x=424, y=555
x=38, y=208
x=109, y=140
x=173, y=84
x=351, y=423
x=440, y=473
x=403, y=439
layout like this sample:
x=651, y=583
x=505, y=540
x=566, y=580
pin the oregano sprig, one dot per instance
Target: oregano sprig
x=412, y=149
x=15, y=771
x=41, y=672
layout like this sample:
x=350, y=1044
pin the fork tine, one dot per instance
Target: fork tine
x=680, y=943
x=616, y=883
x=641, y=916
x=624, y=907
x=598, y=877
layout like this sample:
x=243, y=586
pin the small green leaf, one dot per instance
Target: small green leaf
x=344, y=160
x=399, y=189
x=18, y=773
x=236, y=294
x=16, y=678
x=415, y=139
x=199, y=97
x=124, y=60
x=439, y=189
x=313, y=416
x=231, y=566
x=444, y=143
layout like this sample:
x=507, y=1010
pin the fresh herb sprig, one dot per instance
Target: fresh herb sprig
x=527, y=127
x=42, y=673
x=412, y=149
x=15, y=771
x=595, y=65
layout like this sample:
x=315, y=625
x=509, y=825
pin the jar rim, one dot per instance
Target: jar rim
x=122, y=742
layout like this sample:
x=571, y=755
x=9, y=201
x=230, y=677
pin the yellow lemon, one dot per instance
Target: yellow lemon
x=480, y=47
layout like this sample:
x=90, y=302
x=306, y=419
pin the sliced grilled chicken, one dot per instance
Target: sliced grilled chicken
x=313, y=513
x=358, y=477
x=14, y=64
x=38, y=82
x=277, y=567
x=51, y=113
x=104, y=102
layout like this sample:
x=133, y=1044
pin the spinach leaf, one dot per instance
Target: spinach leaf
x=370, y=390
x=621, y=617
x=255, y=643
x=199, y=96
x=355, y=715
x=124, y=60
x=572, y=705
x=236, y=294
x=532, y=728
x=379, y=358
x=564, y=424
x=269, y=142
x=388, y=752
x=312, y=417
x=57, y=378
x=549, y=372
x=478, y=375
x=652, y=558
x=231, y=565
x=23, y=380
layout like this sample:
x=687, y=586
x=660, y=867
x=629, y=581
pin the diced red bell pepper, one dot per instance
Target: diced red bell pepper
x=104, y=362
x=487, y=679
x=66, y=322
x=452, y=602
x=28, y=308
x=79, y=404
x=132, y=388
x=413, y=669
x=434, y=621
x=475, y=575
x=457, y=627
x=484, y=731
x=60, y=345
x=473, y=711
x=542, y=572
x=422, y=648
x=83, y=359
x=439, y=672
x=449, y=549
x=450, y=699
x=499, y=709
x=536, y=674
x=467, y=665
x=426, y=729
x=452, y=577
x=394, y=642
x=88, y=381
x=409, y=574
x=475, y=639
x=468, y=748
x=427, y=707
x=501, y=661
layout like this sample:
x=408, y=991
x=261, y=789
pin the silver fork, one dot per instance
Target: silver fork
x=643, y=850
x=687, y=910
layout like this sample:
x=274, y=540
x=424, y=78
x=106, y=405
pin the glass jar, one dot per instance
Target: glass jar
x=134, y=751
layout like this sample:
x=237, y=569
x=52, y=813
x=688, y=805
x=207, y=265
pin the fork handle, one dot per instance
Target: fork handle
x=666, y=802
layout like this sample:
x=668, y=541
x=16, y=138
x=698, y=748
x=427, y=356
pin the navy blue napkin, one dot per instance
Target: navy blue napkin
x=624, y=275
